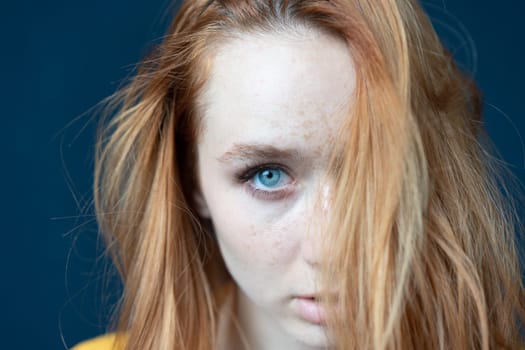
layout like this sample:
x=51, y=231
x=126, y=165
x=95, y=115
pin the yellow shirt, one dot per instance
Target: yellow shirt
x=103, y=342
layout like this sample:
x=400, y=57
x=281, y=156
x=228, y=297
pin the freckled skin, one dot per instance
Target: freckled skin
x=290, y=93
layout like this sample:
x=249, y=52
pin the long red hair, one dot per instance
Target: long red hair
x=421, y=237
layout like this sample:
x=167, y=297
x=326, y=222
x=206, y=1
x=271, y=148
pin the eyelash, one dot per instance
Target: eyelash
x=246, y=177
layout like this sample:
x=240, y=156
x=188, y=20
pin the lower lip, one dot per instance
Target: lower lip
x=311, y=311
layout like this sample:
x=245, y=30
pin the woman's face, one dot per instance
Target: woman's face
x=273, y=106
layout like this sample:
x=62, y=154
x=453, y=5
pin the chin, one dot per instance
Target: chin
x=311, y=336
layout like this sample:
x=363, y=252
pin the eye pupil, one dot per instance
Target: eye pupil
x=269, y=177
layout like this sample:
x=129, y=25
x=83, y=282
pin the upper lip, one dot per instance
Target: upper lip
x=308, y=296
x=315, y=295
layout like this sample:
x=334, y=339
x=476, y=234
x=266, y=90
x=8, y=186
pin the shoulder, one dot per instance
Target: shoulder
x=103, y=342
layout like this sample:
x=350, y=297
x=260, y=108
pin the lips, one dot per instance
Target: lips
x=328, y=296
x=308, y=296
x=310, y=310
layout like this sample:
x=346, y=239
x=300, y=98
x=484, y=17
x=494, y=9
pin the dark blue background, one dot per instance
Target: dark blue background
x=59, y=58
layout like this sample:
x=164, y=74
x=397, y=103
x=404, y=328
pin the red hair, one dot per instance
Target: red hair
x=420, y=241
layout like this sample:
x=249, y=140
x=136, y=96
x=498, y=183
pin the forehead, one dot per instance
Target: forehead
x=273, y=88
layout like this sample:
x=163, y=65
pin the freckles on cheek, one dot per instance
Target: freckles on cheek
x=250, y=232
x=252, y=240
x=242, y=236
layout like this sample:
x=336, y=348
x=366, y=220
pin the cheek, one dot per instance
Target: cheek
x=252, y=239
x=258, y=239
x=259, y=255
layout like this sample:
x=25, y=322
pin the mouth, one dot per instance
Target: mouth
x=330, y=297
x=310, y=309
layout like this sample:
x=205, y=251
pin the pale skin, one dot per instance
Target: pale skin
x=274, y=104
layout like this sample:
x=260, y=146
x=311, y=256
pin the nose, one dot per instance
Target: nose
x=316, y=215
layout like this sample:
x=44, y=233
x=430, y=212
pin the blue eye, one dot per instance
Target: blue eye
x=267, y=181
x=269, y=177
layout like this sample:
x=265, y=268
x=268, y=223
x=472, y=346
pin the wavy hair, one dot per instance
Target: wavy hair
x=421, y=239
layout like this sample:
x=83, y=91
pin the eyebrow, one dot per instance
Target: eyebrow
x=242, y=151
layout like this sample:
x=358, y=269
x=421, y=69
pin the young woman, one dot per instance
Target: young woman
x=305, y=174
